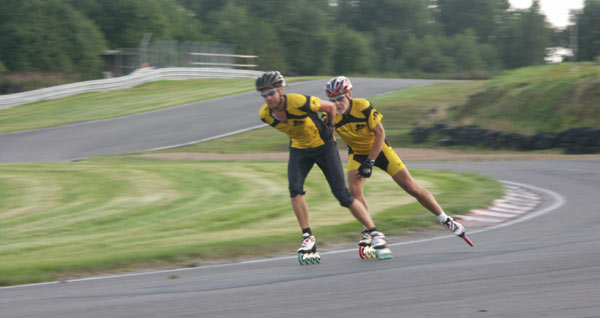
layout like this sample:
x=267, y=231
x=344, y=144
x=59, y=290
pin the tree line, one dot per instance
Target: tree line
x=305, y=37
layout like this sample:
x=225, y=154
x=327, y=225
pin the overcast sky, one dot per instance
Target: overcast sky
x=556, y=11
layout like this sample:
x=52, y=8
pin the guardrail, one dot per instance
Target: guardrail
x=135, y=78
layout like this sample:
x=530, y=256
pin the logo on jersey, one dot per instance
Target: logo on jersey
x=360, y=126
x=298, y=122
x=375, y=114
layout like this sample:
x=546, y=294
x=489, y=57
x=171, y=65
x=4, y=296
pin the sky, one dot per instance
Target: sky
x=556, y=11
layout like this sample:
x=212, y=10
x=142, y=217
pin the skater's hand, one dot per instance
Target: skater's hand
x=327, y=123
x=366, y=168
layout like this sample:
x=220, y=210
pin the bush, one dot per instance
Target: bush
x=11, y=83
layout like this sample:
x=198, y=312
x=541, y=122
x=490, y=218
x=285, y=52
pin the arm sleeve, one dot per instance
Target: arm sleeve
x=373, y=116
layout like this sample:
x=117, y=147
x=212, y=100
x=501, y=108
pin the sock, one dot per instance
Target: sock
x=306, y=232
x=372, y=229
x=442, y=217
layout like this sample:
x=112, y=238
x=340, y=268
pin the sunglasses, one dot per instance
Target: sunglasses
x=270, y=93
x=337, y=99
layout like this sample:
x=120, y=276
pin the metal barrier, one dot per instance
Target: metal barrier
x=135, y=78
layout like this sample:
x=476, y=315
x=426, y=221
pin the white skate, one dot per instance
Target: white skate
x=453, y=226
x=366, y=239
x=307, y=253
x=457, y=229
x=376, y=249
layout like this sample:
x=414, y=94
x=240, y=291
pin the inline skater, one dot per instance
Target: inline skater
x=359, y=125
x=311, y=142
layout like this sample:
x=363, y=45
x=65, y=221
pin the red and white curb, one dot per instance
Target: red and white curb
x=516, y=202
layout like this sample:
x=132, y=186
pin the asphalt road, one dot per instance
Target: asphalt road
x=163, y=128
x=546, y=265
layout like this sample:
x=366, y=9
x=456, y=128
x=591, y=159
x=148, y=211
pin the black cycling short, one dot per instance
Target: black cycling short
x=328, y=159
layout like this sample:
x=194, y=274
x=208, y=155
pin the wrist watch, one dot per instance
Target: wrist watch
x=371, y=162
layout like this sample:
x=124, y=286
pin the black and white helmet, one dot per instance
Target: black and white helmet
x=338, y=86
x=271, y=79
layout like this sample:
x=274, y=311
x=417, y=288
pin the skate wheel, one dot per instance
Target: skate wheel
x=318, y=258
x=368, y=252
x=301, y=258
x=361, y=252
x=384, y=253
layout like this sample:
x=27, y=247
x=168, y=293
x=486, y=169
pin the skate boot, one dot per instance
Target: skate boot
x=307, y=253
x=457, y=229
x=366, y=239
x=377, y=247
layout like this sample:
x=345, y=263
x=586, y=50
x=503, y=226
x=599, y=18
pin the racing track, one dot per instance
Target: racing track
x=543, y=266
x=162, y=128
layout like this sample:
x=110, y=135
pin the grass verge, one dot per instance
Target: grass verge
x=67, y=219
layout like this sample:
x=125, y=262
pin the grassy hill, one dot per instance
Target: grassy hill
x=531, y=100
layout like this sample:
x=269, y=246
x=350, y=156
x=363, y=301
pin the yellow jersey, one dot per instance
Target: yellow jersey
x=303, y=126
x=356, y=126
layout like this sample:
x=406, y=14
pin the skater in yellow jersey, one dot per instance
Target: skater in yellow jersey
x=359, y=125
x=311, y=142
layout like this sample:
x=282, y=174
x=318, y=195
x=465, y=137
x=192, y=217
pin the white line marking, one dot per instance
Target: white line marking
x=503, y=210
x=474, y=218
x=512, y=207
x=559, y=201
x=496, y=214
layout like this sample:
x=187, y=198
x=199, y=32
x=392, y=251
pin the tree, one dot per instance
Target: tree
x=124, y=22
x=351, y=52
x=483, y=16
x=465, y=51
x=588, y=31
x=365, y=16
x=232, y=24
x=304, y=33
x=49, y=36
x=526, y=37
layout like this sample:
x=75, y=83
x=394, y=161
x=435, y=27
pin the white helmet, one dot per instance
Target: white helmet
x=338, y=86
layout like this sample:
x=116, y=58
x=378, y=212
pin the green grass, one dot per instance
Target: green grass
x=547, y=98
x=65, y=219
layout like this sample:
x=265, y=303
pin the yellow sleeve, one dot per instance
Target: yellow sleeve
x=302, y=103
x=315, y=103
x=264, y=115
x=374, y=117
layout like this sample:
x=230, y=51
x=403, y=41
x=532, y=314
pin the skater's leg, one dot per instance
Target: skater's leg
x=356, y=184
x=361, y=214
x=425, y=198
x=299, y=165
x=301, y=210
x=331, y=165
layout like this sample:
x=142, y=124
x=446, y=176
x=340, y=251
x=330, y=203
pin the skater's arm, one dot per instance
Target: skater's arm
x=329, y=108
x=378, y=143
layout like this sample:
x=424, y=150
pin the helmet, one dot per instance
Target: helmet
x=338, y=86
x=271, y=79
